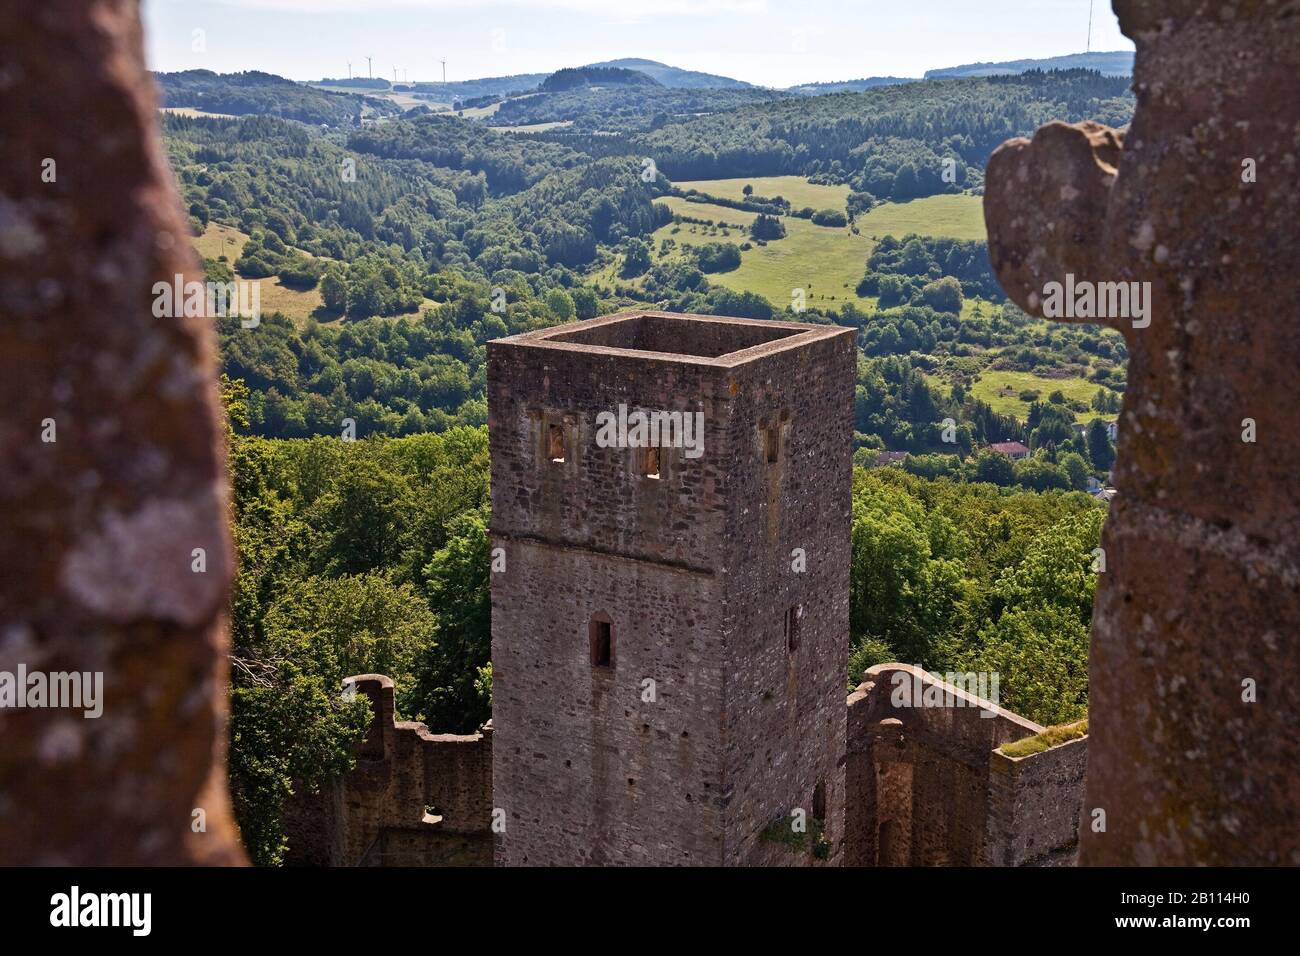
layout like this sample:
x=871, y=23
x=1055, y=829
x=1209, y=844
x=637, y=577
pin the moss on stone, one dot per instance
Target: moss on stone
x=1047, y=739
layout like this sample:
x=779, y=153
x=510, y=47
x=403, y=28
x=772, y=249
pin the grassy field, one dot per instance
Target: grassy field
x=823, y=261
x=210, y=245
x=298, y=305
x=1001, y=390
x=955, y=216
x=796, y=189
x=399, y=98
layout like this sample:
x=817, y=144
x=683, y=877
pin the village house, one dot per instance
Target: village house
x=1012, y=449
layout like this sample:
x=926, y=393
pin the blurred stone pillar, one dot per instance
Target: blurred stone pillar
x=1194, y=734
x=115, y=557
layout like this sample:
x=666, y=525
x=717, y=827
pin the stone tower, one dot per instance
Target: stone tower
x=670, y=625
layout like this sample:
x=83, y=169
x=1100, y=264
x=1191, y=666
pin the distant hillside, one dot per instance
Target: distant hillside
x=848, y=86
x=463, y=90
x=626, y=108
x=1114, y=63
x=357, y=83
x=674, y=78
x=583, y=76
x=264, y=94
x=494, y=86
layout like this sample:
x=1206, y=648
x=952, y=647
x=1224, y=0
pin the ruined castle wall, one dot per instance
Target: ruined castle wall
x=920, y=771
x=413, y=798
x=859, y=782
x=784, y=710
x=458, y=779
x=594, y=766
x=587, y=769
x=114, y=465
x=1028, y=796
x=692, y=572
x=1196, y=198
x=596, y=499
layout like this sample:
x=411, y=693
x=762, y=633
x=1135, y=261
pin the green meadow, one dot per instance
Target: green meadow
x=796, y=189
x=826, y=262
x=298, y=305
x=1001, y=390
x=957, y=216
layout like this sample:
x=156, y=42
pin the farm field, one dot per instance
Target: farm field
x=956, y=216
x=534, y=127
x=796, y=189
x=298, y=305
x=218, y=237
x=825, y=262
x=1001, y=390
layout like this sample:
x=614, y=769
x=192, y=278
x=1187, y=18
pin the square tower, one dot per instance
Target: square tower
x=670, y=627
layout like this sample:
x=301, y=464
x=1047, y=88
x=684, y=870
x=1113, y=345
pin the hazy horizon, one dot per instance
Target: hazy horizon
x=764, y=42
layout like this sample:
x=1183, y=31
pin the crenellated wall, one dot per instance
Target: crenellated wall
x=414, y=798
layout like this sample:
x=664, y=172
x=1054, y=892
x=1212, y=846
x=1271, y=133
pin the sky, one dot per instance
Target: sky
x=767, y=42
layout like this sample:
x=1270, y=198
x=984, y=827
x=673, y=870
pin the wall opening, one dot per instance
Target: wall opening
x=772, y=442
x=792, y=627
x=601, y=638
x=819, y=802
x=555, y=442
x=650, y=462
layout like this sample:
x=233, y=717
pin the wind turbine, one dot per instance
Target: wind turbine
x=349, y=69
x=1089, y=47
x=444, y=70
x=370, y=65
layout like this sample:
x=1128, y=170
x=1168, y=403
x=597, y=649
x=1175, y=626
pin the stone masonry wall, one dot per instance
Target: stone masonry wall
x=691, y=569
x=588, y=771
x=926, y=787
x=413, y=799
x=784, y=713
x=1029, y=822
x=114, y=479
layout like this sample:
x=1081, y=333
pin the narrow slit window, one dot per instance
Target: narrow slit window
x=772, y=442
x=819, y=802
x=650, y=462
x=602, y=643
x=555, y=442
x=792, y=628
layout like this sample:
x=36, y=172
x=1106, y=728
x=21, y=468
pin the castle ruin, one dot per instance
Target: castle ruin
x=670, y=638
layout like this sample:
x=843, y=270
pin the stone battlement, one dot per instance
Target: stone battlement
x=415, y=798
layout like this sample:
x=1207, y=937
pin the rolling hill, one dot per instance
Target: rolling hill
x=848, y=86
x=1113, y=63
x=673, y=77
